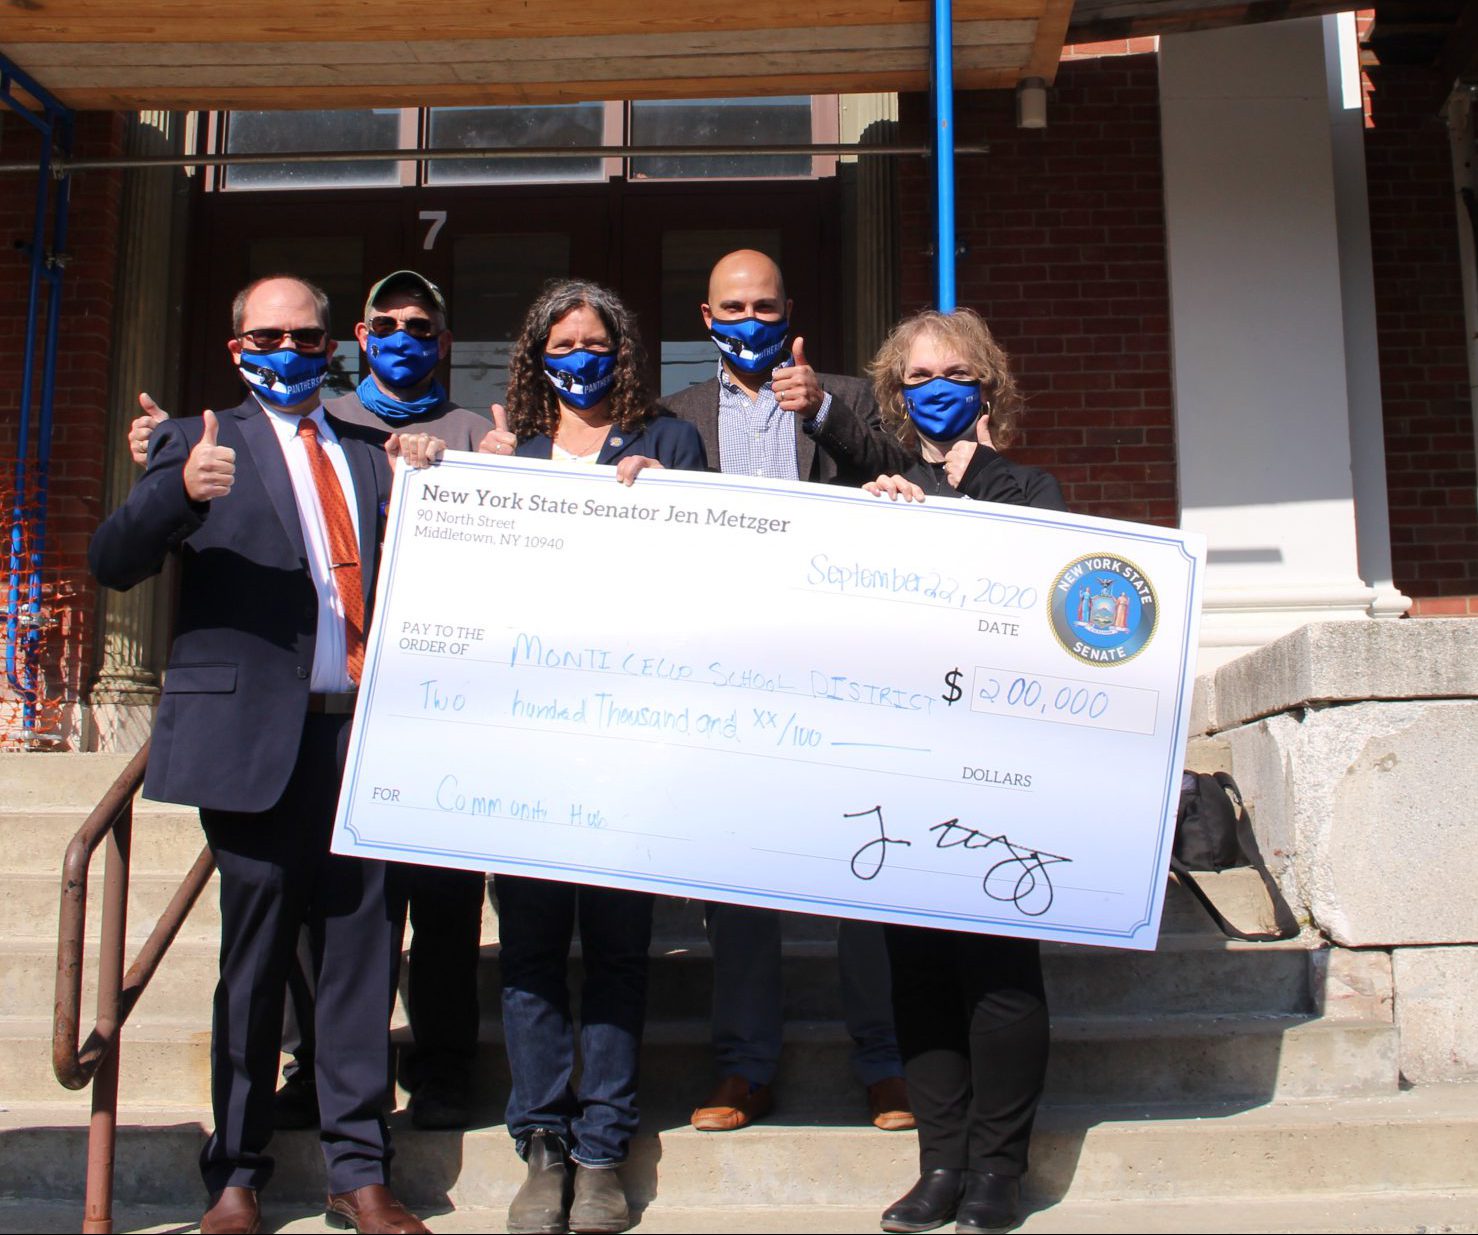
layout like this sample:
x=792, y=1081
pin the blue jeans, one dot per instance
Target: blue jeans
x=536, y=921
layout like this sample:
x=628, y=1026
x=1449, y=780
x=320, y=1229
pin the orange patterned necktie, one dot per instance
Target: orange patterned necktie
x=342, y=545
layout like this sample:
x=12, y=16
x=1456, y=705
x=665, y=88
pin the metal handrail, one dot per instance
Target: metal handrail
x=95, y=1061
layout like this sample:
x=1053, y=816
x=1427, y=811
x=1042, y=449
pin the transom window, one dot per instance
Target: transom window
x=784, y=120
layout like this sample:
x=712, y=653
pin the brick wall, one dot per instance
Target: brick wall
x=80, y=408
x=1423, y=357
x=1064, y=236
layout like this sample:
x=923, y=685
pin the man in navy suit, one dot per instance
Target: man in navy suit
x=274, y=512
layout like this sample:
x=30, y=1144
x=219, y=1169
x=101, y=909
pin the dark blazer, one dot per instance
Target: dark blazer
x=672, y=442
x=991, y=477
x=850, y=448
x=236, y=687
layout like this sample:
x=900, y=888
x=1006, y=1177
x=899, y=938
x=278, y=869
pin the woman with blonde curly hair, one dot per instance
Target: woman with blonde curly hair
x=970, y=1009
x=576, y=390
x=576, y=394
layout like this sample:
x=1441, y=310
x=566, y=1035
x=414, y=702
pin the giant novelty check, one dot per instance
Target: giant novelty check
x=954, y=714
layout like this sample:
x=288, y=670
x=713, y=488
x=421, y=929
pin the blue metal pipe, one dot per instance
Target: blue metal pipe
x=942, y=95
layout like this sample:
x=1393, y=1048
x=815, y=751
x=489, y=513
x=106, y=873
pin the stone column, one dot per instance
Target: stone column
x=870, y=214
x=146, y=316
x=1263, y=245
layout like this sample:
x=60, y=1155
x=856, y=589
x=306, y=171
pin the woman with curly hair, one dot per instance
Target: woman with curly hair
x=576, y=393
x=970, y=1009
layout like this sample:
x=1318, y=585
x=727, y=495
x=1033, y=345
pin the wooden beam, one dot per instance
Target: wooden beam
x=1150, y=17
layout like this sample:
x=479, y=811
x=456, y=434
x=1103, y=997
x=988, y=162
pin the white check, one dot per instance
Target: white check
x=953, y=714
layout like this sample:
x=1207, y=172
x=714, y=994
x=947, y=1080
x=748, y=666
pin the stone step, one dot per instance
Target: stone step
x=1094, y=1059
x=1340, y=1214
x=40, y=780
x=1420, y=1140
x=1188, y=974
x=165, y=840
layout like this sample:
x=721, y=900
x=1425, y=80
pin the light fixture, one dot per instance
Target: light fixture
x=1031, y=103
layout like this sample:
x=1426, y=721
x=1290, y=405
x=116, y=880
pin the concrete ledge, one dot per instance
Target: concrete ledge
x=1332, y=662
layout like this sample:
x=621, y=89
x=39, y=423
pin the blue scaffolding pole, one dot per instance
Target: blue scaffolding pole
x=24, y=620
x=942, y=104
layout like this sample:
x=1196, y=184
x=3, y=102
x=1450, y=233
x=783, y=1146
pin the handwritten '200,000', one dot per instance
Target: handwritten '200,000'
x=1024, y=870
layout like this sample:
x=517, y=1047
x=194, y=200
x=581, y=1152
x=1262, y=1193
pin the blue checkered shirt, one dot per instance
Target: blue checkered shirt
x=756, y=437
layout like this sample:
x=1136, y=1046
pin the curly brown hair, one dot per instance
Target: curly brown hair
x=965, y=331
x=532, y=406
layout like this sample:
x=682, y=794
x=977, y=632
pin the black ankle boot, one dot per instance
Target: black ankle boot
x=929, y=1203
x=990, y=1203
x=542, y=1206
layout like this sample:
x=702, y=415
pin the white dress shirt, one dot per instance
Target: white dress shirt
x=330, y=650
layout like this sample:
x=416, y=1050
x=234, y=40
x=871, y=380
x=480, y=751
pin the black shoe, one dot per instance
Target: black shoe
x=929, y=1203
x=991, y=1203
x=542, y=1206
x=600, y=1201
x=295, y=1105
x=439, y=1103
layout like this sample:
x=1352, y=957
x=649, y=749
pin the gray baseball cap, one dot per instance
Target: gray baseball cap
x=406, y=280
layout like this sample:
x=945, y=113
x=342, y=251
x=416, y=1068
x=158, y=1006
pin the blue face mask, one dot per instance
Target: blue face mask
x=943, y=408
x=284, y=378
x=400, y=360
x=581, y=378
x=750, y=344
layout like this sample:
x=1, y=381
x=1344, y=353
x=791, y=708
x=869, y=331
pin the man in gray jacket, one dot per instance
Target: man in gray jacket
x=767, y=412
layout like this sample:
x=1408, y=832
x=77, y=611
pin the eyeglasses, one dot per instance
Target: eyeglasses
x=308, y=338
x=416, y=327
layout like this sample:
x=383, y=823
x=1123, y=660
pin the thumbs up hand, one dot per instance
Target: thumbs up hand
x=210, y=471
x=499, y=440
x=797, y=388
x=142, y=428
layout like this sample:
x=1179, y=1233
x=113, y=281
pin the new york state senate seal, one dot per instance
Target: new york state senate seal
x=1103, y=609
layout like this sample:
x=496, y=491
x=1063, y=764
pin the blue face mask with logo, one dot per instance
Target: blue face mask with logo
x=400, y=360
x=283, y=378
x=750, y=344
x=943, y=408
x=581, y=378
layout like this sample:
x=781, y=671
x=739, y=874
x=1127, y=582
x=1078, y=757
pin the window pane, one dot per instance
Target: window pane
x=494, y=280
x=269, y=132
x=722, y=122
x=575, y=124
x=688, y=354
x=336, y=264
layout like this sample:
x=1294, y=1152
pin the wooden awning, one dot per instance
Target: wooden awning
x=269, y=54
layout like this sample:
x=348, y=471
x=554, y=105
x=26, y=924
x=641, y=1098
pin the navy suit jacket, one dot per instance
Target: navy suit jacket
x=236, y=686
x=672, y=442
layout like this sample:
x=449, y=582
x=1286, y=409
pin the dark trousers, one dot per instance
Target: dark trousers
x=277, y=875
x=971, y=1015
x=536, y=921
x=446, y=924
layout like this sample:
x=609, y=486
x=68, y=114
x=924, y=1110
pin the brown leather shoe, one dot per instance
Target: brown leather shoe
x=372, y=1210
x=733, y=1104
x=233, y=1211
x=887, y=1101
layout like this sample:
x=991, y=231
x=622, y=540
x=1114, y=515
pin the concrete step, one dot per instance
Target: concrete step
x=1422, y=1140
x=39, y=780
x=1167, y=1059
x=1188, y=974
x=1346, y=1214
x=165, y=840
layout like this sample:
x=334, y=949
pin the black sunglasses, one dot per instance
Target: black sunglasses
x=416, y=327
x=309, y=338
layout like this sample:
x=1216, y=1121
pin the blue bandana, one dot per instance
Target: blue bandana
x=943, y=408
x=581, y=378
x=398, y=411
x=750, y=344
x=284, y=378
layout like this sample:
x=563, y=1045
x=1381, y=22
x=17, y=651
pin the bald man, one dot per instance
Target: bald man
x=767, y=412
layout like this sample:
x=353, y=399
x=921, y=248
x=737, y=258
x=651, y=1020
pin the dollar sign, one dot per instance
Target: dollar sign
x=952, y=681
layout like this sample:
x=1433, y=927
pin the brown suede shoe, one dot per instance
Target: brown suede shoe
x=233, y=1211
x=887, y=1101
x=372, y=1210
x=733, y=1104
